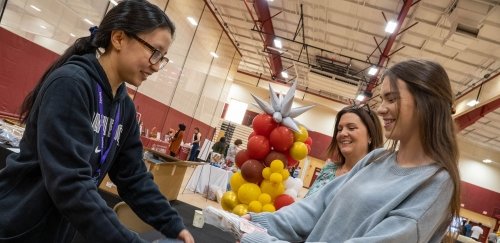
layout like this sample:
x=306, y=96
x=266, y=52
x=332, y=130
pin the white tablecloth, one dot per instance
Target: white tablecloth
x=208, y=175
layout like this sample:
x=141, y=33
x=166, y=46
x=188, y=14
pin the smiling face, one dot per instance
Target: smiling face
x=134, y=65
x=398, y=111
x=352, y=136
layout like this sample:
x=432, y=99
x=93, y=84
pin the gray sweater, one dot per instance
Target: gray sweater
x=375, y=202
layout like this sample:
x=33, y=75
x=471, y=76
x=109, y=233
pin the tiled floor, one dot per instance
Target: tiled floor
x=198, y=200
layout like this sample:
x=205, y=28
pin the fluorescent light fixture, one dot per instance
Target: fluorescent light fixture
x=277, y=43
x=360, y=97
x=73, y=35
x=472, y=103
x=192, y=21
x=113, y=2
x=391, y=26
x=43, y=27
x=88, y=21
x=35, y=8
x=372, y=71
x=236, y=111
x=284, y=74
x=214, y=54
x=487, y=161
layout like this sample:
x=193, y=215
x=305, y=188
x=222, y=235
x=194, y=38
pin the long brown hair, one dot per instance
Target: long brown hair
x=132, y=17
x=371, y=122
x=430, y=86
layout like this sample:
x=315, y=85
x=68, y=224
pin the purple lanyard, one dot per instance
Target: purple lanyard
x=104, y=151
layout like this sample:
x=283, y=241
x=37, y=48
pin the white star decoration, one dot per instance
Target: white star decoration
x=281, y=107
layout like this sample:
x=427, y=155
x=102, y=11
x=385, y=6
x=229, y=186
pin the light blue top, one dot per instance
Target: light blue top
x=375, y=202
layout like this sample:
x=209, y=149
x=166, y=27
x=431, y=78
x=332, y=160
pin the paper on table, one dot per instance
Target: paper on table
x=15, y=150
x=230, y=222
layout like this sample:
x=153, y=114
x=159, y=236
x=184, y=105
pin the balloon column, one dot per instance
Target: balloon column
x=263, y=183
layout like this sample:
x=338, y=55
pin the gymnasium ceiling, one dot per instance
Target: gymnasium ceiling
x=328, y=46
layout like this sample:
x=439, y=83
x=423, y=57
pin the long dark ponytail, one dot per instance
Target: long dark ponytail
x=131, y=16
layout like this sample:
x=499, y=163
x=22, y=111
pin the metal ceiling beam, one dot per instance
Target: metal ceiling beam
x=388, y=46
x=266, y=26
x=474, y=115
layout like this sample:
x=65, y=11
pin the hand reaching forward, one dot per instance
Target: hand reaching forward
x=185, y=236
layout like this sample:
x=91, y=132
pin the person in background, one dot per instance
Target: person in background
x=195, y=148
x=468, y=228
x=477, y=231
x=80, y=126
x=220, y=146
x=357, y=132
x=409, y=192
x=175, y=145
x=232, y=151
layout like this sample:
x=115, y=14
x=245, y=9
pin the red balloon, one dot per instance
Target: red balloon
x=241, y=157
x=275, y=155
x=309, y=141
x=283, y=200
x=252, y=171
x=263, y=124
x=251, y=135
x=258, y=147
x=281, y=138
x=291, y=161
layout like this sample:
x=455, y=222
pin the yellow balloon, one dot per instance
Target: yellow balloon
x=298, y=151
x=277, y=165
x=265, y=198
x=248, y=192
x=255, y=206
x=268, y=208
x=276, y=178
x=229, y=200
x=273, y=189
x=285, y=173
x=240, y=209
x=301, y=135
x=236, y=181
x=266, y=172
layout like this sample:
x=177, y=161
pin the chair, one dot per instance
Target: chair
x=128, y=218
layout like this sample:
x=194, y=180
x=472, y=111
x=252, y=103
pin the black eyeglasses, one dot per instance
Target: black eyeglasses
x=156, y=55
x=364, y=106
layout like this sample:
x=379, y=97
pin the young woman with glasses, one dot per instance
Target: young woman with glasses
x=357, y=132
x=81, y=125
x=407, y=193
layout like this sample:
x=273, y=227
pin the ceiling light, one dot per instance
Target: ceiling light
x=214, y=54
x=391, y=26
x=192, y=21
x=360, y=97
x=35, y=8
x=487, y=161
x=372, y=71
x=43, y=27
x=284, y=74
x=277, y=43
x=88, y=21
x=73, y=35
x=113, y=2
x=472, y=103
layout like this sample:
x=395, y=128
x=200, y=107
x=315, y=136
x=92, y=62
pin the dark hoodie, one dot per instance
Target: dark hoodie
x=47, y=192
